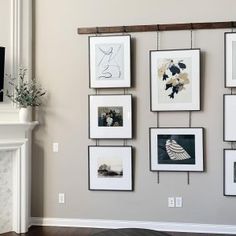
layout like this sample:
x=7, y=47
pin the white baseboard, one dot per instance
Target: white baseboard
x=159, y=226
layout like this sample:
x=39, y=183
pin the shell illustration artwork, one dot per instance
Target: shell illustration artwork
x=175, y=151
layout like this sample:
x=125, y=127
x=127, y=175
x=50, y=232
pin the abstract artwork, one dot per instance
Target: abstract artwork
x=175, y=80
x=110, y=168
x=110, y=116
x=109, y=60
x=229, y=172
x=230, y=59
x=176, y=149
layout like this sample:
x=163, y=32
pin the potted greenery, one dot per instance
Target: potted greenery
x=25, y=94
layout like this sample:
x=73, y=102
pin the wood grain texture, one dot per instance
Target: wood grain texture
x=157, y=27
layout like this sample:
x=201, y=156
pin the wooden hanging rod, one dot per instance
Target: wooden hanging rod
x=157, y=27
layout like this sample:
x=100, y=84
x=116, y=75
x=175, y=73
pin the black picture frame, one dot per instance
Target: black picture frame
x=110, y=168
x=229, y=172
x=176, y=149
x=2, y=65
x=229, y=111
x=121, y=108
x=115, y=72
x=229, y=59
x=164, y=99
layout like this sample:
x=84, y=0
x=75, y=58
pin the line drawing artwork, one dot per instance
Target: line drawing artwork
x=109, y=62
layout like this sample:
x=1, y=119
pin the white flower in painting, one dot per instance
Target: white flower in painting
x=109, y=121
x=163, y=70
x=183, y=78
x=117, y=111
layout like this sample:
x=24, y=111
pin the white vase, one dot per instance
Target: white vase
x=25, y=114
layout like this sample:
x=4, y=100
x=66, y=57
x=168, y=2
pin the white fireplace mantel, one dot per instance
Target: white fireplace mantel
x=16, y=137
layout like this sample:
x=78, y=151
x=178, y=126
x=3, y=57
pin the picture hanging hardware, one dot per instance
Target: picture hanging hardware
x=155, y=27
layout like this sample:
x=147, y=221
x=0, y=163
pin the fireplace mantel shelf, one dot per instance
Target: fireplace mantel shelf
x=26, y=125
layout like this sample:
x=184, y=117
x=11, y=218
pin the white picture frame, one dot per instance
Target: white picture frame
x=229, y=117
x=109, y=61
x=175, y=80
x=110, y=168
x=229, y=172
x=176, y=149
x=230, y=59
x=110, y=116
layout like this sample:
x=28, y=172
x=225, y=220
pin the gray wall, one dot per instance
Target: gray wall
x=61, y=64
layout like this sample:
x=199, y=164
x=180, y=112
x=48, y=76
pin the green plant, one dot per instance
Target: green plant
x=24, y=92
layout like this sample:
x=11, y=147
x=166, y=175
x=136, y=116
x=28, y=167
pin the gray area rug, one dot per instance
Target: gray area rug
x=130, y=232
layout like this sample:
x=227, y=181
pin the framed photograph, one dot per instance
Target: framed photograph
x=175, y=80
x=229, y=172
x=110, y=168
x=109, y=61
x=110, y=116
x=229, y=117
x=230, y=59
x=176, y=149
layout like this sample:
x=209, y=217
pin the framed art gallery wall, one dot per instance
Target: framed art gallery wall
x=62, y=57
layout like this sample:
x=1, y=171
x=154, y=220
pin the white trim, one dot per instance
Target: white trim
x=25, y=125
x=11, y=144
x=21, y=48
x=160, y=226
x=15, y=35
x=21, y=35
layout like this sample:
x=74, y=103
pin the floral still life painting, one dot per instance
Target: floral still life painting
x=175, y=82
x=174, y=75
x=110, y=116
